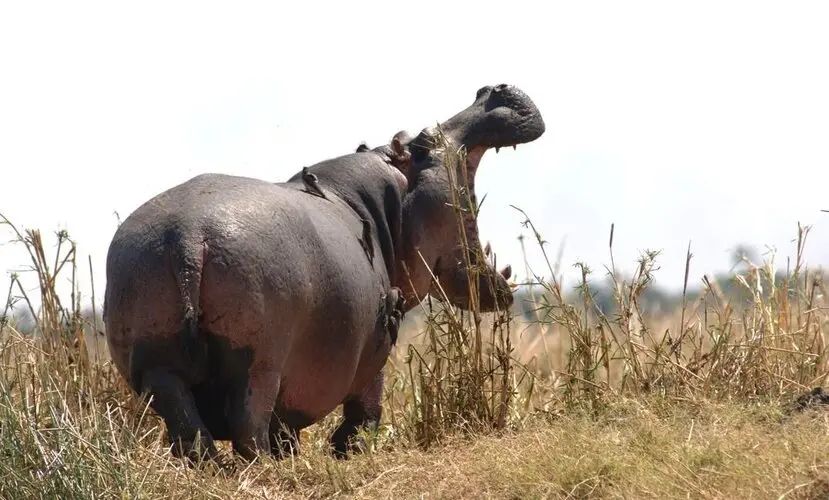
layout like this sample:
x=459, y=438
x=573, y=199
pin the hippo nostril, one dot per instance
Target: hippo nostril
x=500, y=87
x=481, y=91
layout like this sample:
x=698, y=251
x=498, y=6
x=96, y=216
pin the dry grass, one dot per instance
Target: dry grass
x=575, y=404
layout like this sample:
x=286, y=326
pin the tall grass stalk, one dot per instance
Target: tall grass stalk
x=463, y=376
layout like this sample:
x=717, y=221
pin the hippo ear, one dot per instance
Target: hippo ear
x=397, y=146
x=404, y=137
x=506, y=272
x=401, y=158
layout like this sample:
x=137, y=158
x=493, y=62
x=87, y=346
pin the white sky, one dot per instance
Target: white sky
x=706, y=121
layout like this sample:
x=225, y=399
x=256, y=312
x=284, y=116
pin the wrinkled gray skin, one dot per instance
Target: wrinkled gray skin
x=249, y=309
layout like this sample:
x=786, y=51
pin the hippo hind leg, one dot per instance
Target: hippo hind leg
x=174, y=402
x=363, y=411
x=211, y=398
x=252, y=400
x=238, y=397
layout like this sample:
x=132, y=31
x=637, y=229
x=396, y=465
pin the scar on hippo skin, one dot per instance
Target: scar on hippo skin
x=312, y=183
x=394, y=311
x=366, y=242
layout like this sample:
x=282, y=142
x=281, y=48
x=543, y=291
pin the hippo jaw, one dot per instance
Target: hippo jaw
x=500, y=116
x=494, y=291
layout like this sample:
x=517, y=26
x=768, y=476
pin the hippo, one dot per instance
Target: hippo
x=250, y=309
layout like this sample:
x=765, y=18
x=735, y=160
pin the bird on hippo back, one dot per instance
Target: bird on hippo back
x=249, y=310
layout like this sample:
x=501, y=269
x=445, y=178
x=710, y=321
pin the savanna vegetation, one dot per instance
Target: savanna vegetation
x=587, y=391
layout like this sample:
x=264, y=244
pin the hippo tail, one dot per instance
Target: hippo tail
x=188, y=264
x=186, y=352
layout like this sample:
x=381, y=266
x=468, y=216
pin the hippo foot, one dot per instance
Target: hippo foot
x=284, y=443
x=346, y=439
x=176, y=405
x=361, y=412
x=284, y=430
x=250, y=413
x=197, y=451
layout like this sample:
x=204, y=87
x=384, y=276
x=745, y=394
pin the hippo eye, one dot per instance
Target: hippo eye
x=481, y=91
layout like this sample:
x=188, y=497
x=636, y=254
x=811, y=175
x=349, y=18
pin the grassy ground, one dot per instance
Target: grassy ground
x=64, y=442
x=576, y=404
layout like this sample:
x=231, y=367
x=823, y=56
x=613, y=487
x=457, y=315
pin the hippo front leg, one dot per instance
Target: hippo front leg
x=363, y=411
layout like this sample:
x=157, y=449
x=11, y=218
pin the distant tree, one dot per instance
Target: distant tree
x=741, y=253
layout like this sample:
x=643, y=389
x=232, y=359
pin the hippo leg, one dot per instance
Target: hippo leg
x=174, y=402
x=210, y=400
x=252, y=403
x=363, y=411
x=284, y=440
x=284, y=432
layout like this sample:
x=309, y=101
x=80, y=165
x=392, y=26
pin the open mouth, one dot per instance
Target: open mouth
x=474, y=155
x=473, y=160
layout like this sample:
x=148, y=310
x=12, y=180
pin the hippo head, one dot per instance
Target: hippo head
x=500, y=116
